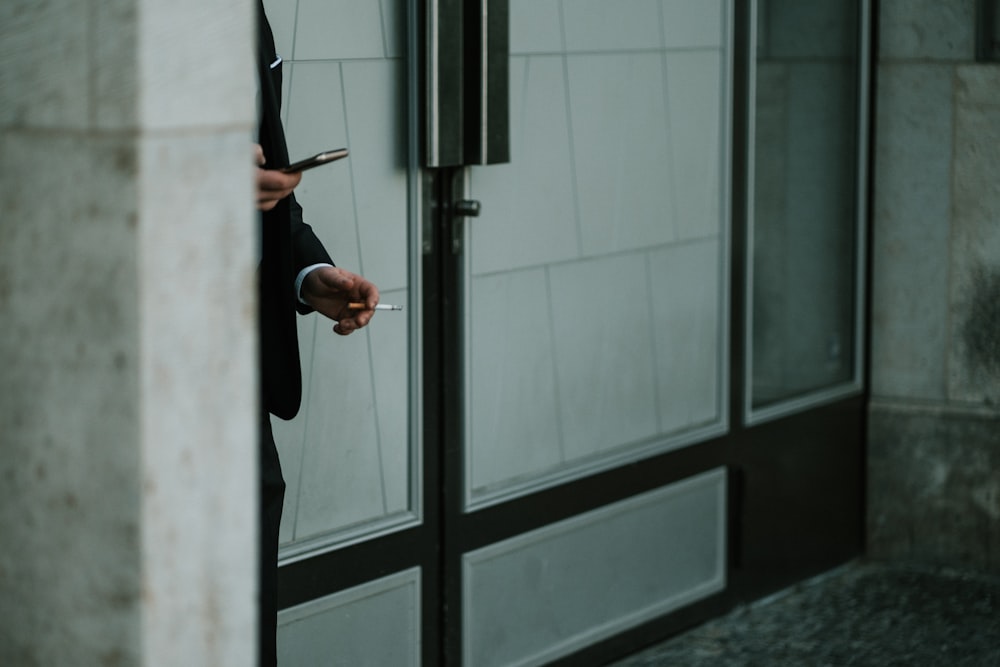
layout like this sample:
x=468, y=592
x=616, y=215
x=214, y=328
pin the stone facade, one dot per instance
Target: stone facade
x=934, y=432
x=128, y=390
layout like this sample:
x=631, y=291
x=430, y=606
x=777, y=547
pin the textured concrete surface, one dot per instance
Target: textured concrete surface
x=911, y=235
x=934, y=446
x=974, y=354
x=127, y=505
x=927, y=29
x=864, y=614
x=934, y=486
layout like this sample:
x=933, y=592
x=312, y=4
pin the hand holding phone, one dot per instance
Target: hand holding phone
x=316, y=160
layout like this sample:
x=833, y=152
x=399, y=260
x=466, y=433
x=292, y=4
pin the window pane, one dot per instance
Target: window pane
x=349, y=457
x=596, y=284
x=804, y=199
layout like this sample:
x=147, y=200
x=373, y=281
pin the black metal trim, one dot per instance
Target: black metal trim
x=451, y=313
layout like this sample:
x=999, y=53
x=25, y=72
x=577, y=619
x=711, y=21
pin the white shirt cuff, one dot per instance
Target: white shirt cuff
x=302, y=276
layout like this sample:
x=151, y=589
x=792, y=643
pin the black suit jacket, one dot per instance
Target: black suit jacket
x=289, y=245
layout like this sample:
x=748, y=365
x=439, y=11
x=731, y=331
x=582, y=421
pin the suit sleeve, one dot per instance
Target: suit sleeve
x=307, y=249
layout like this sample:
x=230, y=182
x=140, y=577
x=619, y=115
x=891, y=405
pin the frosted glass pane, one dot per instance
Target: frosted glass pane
x=693, y=23
x=696, y=116
x=535, y=26
x=315, y=122
x=608, y=223
x=625, y=179
x=315, y=117
x=687, y=303
x=513, y=426
x=339, y=29
x=528, y=217
x=599, y=25
x=348, y=457
x=607, y=394
x=601, y=572
x=341, y=477
x=375, y=95
x=390, y=365
x=375, y=624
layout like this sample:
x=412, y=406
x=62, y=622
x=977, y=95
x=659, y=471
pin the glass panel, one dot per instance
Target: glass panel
x=805, y=198
x=633, y=574
x=596, y=273
x=349, y=457
x=376, y=623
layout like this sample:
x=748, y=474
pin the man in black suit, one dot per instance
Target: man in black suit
x=296, y=274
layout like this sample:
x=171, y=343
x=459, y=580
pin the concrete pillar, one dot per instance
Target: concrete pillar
x=127, y=336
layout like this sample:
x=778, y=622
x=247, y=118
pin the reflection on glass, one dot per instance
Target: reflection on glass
x=804, y=213
x=349, y=456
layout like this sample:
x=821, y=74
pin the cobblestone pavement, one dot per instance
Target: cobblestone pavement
x=865, y=614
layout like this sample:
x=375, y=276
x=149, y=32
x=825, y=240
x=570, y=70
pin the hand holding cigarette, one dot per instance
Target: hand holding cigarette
x=329, y=290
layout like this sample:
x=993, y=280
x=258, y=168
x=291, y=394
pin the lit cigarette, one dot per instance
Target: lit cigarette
x=357, y=305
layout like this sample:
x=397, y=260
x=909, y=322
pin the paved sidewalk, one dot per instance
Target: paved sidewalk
x=865, y=614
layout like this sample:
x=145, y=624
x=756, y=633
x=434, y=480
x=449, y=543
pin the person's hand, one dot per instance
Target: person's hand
x=329, y=289
x=272, y=185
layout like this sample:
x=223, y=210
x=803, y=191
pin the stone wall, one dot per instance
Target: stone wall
x=127, y=346
x=934, y=433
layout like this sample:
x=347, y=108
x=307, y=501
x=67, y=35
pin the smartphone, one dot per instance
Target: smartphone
x=316, y=160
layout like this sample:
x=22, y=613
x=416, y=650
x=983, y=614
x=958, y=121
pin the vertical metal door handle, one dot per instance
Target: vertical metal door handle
x=467, y=87
x=444, y=42
x=487, y=132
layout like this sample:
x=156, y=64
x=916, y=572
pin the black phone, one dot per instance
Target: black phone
x=316, y=160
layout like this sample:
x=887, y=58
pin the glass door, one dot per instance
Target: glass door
x=596, y=276
x=351, y=456
x=592, y=297
x=358, y=565
x=625, y=392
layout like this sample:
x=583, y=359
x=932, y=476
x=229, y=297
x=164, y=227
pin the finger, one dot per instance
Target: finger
x=364, y=295
x=271, y=180
x=362, y=319
x=359, y=320
x=273, y=186
x=367, y=289
x=268, y=200
x=272, y=198
x=369, y=293
x=258, y=155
